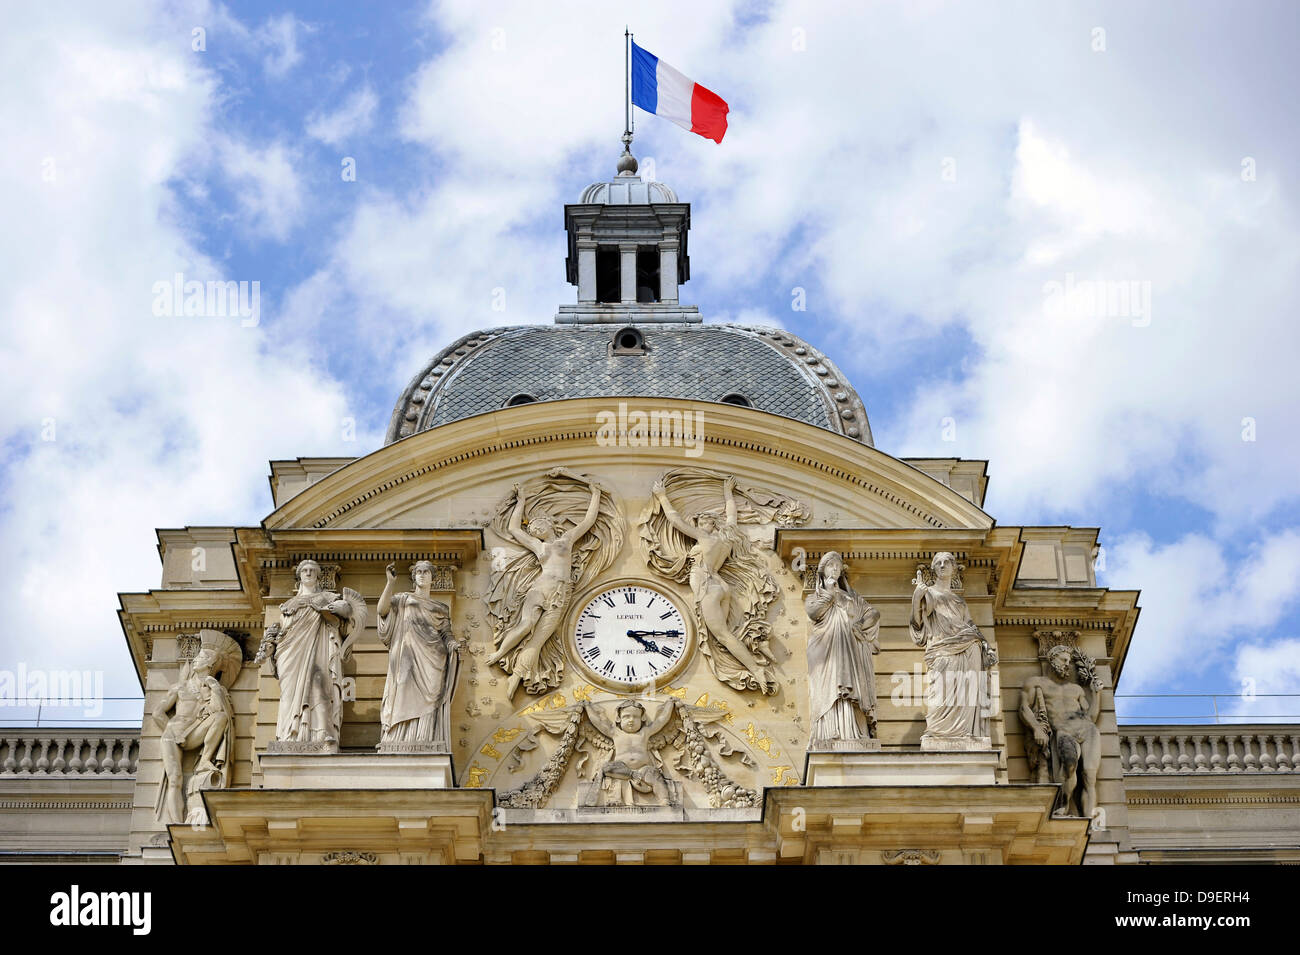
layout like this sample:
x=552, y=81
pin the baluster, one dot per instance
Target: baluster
x=1134, y=757
x=106, y=767
x=59, y=762
x=1184, y=758
x=1295, y=754
x=1234, y=761
x=74, y=764
x=1284, y=764
x=10, y=763
x=92, y=763
x=25, y=764
x=1251, y=762
x=1267, y=764
x=1153, y=764
x=124, y=764
x=1216, y=759
x=43, y=761
x=1166, y=756
x=1202, y=762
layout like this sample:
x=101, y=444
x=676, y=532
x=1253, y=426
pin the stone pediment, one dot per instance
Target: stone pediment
x=447, y=476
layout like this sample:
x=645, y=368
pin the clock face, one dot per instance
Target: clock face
x=630, y=636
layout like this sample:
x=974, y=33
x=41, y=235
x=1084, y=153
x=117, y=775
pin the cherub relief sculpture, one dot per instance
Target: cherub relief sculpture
x=633, y=769
x=196, y=714
x=841, y=677
x=1063, y=744
x=957, y=703
x=698, y=540
x=307, y=648
x=531, y=591
x=423, y=663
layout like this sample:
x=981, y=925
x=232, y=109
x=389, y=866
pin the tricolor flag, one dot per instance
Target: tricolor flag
x=658, y=88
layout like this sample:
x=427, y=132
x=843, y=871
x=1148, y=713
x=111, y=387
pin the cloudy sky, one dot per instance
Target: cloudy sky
x=933, y=176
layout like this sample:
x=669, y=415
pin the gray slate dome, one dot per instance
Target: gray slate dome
x=766, y=368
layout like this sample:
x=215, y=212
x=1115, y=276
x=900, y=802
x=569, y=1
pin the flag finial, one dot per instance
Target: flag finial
x=627, y=164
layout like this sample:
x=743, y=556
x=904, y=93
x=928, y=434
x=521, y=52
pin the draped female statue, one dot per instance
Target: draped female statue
x=841, y=678
x=307, y=648
x=957, y=700
x=423, y=662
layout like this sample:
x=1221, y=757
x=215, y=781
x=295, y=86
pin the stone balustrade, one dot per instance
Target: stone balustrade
x=68, y=752
x=1221, y=748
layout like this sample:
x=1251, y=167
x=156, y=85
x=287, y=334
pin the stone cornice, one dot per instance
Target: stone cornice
x=455, y=448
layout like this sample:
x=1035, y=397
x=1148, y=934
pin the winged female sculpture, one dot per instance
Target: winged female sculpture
x=699, y=540
x=531, y=591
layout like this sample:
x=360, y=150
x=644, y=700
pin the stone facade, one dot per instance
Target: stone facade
x=603, y=653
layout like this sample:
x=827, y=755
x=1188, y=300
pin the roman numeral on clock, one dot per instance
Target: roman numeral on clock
x=667, y=651
x=608, y=667
x=631, y=672
x=591, y=653
x=630, y=596
x=665, y=616
x=608, y=600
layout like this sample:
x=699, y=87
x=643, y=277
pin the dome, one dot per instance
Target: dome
x=764, y=368
x=627, y=191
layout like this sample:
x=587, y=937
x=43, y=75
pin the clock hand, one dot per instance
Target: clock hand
x=648, y=644
x=654, y=633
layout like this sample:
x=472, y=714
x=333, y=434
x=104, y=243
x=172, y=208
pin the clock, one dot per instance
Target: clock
x=628, y=636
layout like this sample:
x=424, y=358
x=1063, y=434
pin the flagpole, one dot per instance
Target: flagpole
x=627, y=81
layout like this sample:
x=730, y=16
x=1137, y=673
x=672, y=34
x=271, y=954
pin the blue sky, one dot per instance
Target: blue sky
x=924, y=173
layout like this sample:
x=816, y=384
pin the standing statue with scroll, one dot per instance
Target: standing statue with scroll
x=307, y=648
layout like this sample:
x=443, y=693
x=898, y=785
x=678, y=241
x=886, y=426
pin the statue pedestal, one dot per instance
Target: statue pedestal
x=357, y=771
x=909, y=768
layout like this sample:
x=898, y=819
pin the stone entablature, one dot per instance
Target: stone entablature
x=66, y=793
x=1179, y=812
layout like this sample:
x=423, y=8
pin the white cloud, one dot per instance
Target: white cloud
x=266, y=186
x=829, y=179
x=156, y=421
x=1197, y=604
x=354, y=115
x=279, y=36
x=1269, y=677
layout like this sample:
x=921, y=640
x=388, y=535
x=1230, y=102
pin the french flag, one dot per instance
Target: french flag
x=658, y=88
